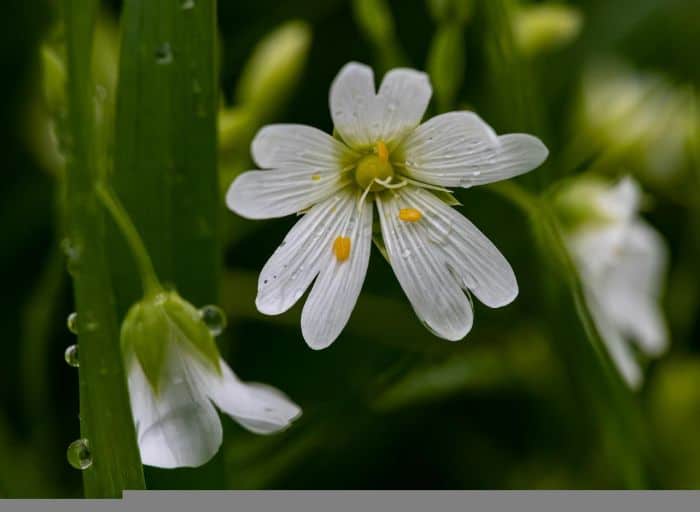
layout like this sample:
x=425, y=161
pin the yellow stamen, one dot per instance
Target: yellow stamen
x=409, y=215
x=315, y=177
x=382, y=151
x=341, y=248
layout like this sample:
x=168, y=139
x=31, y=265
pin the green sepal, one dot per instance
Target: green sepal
x=159, y=320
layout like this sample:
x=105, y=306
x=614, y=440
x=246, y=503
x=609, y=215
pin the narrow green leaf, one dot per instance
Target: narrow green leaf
x=105, y=414
x=165, y=171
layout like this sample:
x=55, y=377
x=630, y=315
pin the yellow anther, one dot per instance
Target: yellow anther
x=409, y=215
x=315, y=177
x=341, y=248
x=382, y=151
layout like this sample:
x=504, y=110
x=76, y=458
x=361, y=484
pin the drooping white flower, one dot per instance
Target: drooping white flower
x=382, y=157
x=622, y=262
x=176, y=377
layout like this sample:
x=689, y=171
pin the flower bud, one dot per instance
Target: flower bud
x=274, y=68
x=543, y=27
x=53, y=70
x=162, y=319
x=450, y=10
x=446, y=63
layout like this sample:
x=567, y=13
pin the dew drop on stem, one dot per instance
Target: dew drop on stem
x=78, y=454
x=72, y=322
x=71, y=356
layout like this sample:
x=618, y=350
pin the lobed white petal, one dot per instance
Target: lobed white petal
x=470, y=255
x=421, y=269
x=258, y=407
x=459, y=149
x=362, y=117
x=306, y=166
x=179, y=427
x=281, y=192
x=335, y=292
x=297, y=146
x=298, y=260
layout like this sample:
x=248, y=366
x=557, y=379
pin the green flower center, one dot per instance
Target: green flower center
x=373, y=168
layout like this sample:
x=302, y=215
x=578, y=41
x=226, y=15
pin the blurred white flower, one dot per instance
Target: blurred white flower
x=176, y=376
x=381, y=156
x=640, y=116
x=622, y=262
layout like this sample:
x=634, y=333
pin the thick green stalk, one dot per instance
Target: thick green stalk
x=105, y=414
x=165, y=171
x=610, y=407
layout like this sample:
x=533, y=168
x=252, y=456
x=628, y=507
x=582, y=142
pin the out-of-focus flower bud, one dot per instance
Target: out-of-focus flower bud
x=640, y=117
x=159, y=322
x=274, y=69
x=450, y=10
x=544, y=27
x=446, y=63
x=53, y=71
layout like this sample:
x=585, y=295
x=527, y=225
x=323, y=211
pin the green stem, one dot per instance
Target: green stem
x=105, y=413
x=611, y=405
x=149, y=279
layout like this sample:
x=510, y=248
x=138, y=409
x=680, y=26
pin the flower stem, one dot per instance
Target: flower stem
x=105, y=413
x=149, y=279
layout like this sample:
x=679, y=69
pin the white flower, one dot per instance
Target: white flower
x=382, y=157
x=622, y=262
x=175, y=378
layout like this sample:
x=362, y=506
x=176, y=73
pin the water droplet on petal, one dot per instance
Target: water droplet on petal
x=71, y=356
x=72, y=322
x=406, y=253
x=164, y=54
x=78, y=454
x=214, y=318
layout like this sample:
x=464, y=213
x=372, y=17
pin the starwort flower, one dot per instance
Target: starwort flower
x=622, y=262
x=382, y=156
x=176, y=375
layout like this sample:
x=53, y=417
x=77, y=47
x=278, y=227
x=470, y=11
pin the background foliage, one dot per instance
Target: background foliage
x=522, y=402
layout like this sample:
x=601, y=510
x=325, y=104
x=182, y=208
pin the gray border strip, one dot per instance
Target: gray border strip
x=383, y=501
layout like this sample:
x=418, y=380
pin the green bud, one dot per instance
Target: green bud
x=53, y=70
x=375, y=19
x=274, y=69
x=542, y=27
x=159, y=320
x=236, y=129
x=575, y=201
x=450, y=10
x=446, y=64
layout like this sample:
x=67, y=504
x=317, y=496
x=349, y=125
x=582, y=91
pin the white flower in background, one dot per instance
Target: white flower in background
x=622, y=261
x=382, y=157
x=642, y=117
x=176, y=377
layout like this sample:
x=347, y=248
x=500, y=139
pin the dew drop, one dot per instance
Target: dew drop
x=186, y=5
x=406, y=253
x=465, y=182
x=72, y=322
x=78, y=454
x=71, y=356
x=214, y=318
x=72, y=252
x=164, y=54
